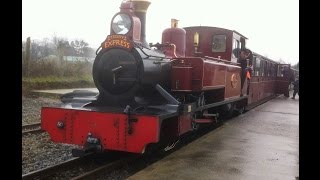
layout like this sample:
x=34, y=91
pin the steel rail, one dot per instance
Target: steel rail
x=33, y=131
x=45, y=172
x=93, y=174
x=31, y=126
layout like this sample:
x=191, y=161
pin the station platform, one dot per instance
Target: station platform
x=262, y=143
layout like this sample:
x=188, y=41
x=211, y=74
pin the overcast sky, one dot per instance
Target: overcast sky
x=272, y=26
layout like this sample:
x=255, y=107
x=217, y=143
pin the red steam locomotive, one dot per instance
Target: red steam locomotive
x=152, y=94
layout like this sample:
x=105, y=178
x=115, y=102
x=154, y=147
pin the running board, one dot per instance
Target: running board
x=207, y=106
x=204, y=121
x=210, y=115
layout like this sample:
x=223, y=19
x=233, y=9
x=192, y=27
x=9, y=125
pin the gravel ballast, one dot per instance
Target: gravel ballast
x=37, y=150
x=31, y=108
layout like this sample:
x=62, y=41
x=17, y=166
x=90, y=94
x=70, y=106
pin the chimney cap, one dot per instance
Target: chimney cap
x=140, y=5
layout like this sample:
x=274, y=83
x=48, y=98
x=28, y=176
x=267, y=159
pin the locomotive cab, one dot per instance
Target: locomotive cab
x=214, y=42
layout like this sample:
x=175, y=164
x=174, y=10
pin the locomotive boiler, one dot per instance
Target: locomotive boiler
x=129, y=77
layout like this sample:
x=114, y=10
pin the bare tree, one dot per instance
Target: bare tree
x=60, y=44
x=79, y=46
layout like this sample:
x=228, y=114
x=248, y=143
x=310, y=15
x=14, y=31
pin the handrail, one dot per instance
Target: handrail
x=220, y=60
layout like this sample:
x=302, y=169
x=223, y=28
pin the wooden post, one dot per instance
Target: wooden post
x=27, y=57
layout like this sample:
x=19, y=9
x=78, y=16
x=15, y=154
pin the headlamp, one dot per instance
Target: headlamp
x=121, y=24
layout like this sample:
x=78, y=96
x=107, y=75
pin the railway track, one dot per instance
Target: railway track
x=45, y=172
x=99, y=169
x=31, y=126
x=79, y=163
x=32, y=129
x=95, y=173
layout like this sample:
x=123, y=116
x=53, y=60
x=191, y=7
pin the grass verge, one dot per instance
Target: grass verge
x=43, y=83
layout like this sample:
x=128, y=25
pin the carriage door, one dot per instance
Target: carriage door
x=284, y=74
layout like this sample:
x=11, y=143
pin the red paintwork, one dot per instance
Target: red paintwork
x=260, y=88
x=232, y=90
x=198, y=74
x=176, y=36
x=185, y=123
x=110, y=128
x=214, y=75
x=282, y=80
x=205, y=121
x=206, y=74
x=282, y=85
x=181, y=78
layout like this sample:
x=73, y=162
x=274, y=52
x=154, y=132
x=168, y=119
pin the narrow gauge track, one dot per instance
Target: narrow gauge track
x=31, y=126
x=32, y=129
x=45, y=172
x=95, y=173
x=42, y=173
x=135, y=164
x=79, y=163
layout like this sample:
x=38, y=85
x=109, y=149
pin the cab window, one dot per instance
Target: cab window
x=219, y=43
x=235, y=48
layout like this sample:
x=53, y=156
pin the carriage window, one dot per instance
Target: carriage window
x=268, y=68
x=279, y=70
x=256, y=67
x=265, y=68
x=273, y=70
x=253, y=65
x=262, y=68
x=219, y=43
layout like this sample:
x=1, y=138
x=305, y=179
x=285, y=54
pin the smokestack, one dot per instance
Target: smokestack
x=140, y=10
